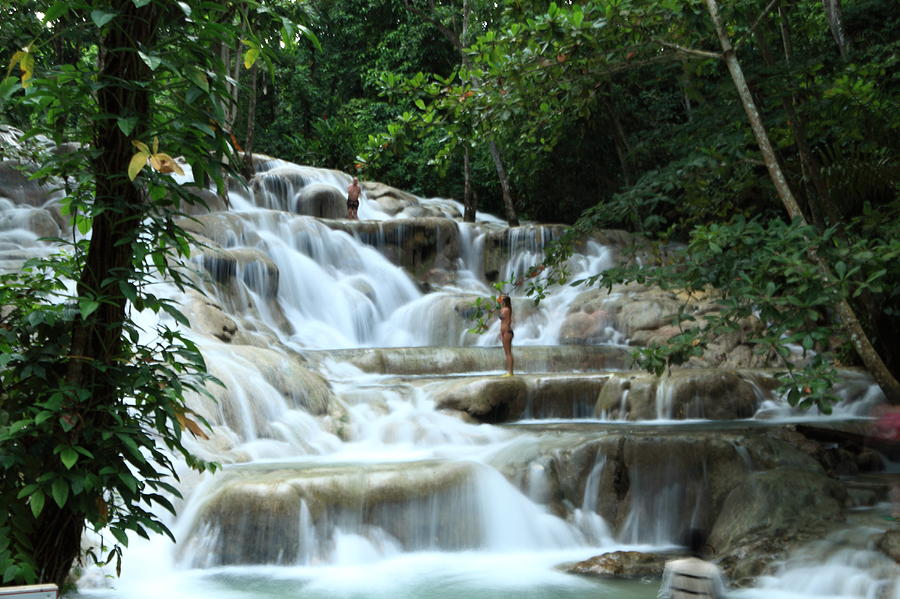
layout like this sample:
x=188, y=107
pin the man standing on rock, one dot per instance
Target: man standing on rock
x=353, y=192
x=692, y=577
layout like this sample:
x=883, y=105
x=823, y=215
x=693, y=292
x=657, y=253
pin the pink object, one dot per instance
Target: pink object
x=888, y=426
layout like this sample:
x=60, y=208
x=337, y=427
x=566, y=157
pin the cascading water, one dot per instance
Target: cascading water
x=351, y=466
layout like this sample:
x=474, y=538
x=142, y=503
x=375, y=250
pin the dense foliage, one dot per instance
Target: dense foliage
x=92, y=410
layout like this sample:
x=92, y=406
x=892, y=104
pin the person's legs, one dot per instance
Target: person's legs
x=507, y=349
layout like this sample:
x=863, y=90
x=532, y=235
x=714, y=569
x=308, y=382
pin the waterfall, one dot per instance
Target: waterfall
x=351, y=427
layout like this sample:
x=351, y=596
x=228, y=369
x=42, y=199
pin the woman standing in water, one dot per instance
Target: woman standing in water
x=506, y=331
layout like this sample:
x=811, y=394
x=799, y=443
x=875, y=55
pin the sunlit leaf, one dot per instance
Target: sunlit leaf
x=250, y=57
x=192, y=426
x=54, y=12
x=137, y=163
x=165, y=164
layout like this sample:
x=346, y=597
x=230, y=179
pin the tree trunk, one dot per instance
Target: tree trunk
x=836, y=23
x=819, y=201
x=469, y=200
x=870, y=358
x=251, y=123
x=457, y=41
x=619, y=139
x=97, y=340
x=511, y=217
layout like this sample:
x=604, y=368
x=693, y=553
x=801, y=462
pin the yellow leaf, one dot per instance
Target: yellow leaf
x=250, y=57
x=25, y=60
x=137, y=163
x=192, y=426
x=140, y=146
x=165, y=164
x=155, y=144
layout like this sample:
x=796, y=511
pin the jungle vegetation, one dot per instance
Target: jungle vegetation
x=754, y=144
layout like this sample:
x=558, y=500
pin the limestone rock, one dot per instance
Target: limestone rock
x=420, y=245
x=324, y=201
x=622, y=564
x=684, y=393
x=889, y=544
x=489, y=400
x=500, y=399
x=770, y=511
x=16, y=186
x=291, y=516
x=389, y=199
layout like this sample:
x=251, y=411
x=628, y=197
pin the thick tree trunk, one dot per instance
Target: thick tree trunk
x=251, y=124
x=470, y=201
x=511, y=216
x=870, y=358
x=97, y=340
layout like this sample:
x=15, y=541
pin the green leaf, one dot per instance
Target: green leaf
x=126, y=126
x=140, y=3
x=60, y=491
x=68, y=457
x=102, y=17
x=197, y=77
x=87, y=307
x=83, y=223
x=420, y=103
x=8, y=87
x=129, y=481
x=152, y=61
x=120, y=535
x=57, y=10
x=36, y=501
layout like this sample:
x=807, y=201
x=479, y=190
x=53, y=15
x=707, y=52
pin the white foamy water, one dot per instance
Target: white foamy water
x=340, y=482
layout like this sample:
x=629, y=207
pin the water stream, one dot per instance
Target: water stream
x=346, y=470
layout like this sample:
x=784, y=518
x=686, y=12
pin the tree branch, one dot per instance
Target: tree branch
x=691, y=51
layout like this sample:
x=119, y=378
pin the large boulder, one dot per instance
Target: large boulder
x=15, y=185
x=390, y=200
x=647, y=316
x=683, y=393
x=325, y=201
x=770, y=511
x=291, y=516
x=507, y=399
x=759, y=490
x=420, y=245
